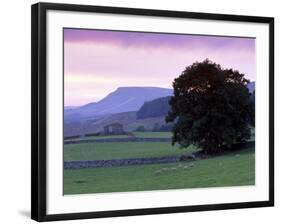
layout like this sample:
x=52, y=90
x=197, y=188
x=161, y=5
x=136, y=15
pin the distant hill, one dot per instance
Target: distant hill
x=161, y=107
x=154, y=108
x=130, y=106
x=127, y=119
x=124, y=99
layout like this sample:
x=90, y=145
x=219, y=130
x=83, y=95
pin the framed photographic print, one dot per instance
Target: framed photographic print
x=140, y=111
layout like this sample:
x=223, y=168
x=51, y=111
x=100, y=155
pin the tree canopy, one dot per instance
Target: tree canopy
x=211, y=107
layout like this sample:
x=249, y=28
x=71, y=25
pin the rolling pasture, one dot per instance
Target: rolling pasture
x=120, y=150
x=231, y=169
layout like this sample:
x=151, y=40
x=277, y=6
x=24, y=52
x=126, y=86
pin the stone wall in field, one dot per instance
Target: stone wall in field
x=142, y=161
x=118, y=162
x=129, y=139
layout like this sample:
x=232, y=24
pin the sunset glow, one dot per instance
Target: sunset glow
x=98, y=62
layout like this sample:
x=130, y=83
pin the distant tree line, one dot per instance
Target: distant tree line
x=156, y=128
x=155, y=108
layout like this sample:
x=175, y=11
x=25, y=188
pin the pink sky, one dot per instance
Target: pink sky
x=98, y=62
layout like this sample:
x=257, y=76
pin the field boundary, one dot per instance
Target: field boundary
x=129, y=139
x=119, y=162
x=153, y=160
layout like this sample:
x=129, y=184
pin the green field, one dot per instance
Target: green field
x=105, y=137
x=232, y=169
x=120, y=150
x=137, y=134
x=97, y=137
x=153, y=134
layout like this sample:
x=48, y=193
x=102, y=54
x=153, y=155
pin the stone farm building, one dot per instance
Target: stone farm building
x=113, y=129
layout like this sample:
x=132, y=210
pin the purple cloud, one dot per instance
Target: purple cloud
x=154, y=40
x=97, y=62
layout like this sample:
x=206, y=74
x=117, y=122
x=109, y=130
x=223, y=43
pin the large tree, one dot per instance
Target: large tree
x=211, y=107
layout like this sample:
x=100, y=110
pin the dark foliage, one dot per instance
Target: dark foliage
x=155, y=108
x=211, y=107
x=162, y=128
x=140, y=128
x=253, y=103
x=92, y=134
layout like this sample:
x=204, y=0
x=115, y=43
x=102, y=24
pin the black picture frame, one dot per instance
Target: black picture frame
x=39, y=108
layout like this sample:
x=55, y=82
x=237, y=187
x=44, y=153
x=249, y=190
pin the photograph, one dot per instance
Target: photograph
x=141, y=111
x=147, y=111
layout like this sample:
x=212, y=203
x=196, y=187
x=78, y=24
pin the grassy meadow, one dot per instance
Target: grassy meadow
x=121, y=150
x=153, y=134
x=231, y=169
